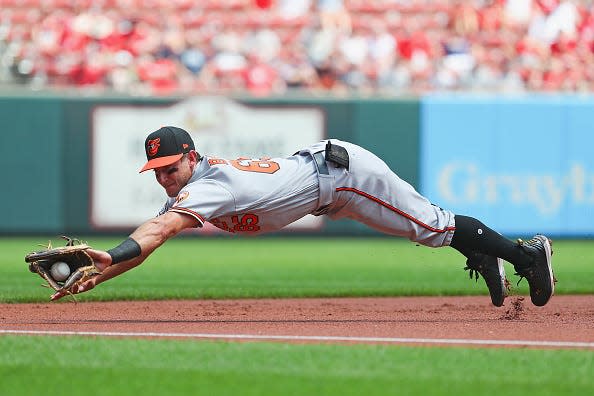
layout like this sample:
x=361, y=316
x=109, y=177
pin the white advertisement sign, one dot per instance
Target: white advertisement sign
x=122, y=198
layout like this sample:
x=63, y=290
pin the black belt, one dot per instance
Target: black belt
x=321, y=163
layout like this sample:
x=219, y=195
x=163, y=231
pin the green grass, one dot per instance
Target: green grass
x=198, y=267
x=102, y=366
x=195, y=267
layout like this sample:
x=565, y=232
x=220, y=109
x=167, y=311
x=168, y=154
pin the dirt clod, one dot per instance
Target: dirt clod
x=516, y=309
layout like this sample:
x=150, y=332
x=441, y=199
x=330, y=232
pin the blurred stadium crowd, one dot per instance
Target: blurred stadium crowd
x=264, y=47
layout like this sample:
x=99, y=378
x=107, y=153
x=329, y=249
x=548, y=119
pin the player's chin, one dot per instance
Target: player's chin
x=172, y=191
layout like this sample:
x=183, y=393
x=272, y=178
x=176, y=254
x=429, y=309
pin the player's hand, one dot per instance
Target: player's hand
x=101, y=259
x=80, y=288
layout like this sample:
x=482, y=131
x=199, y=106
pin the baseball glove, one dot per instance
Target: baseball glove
x=74, y=254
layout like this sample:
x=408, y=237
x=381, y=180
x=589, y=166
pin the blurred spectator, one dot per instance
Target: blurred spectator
x=295, y=69
x=382, y=49
x=264, y=4
x=334, y=15
x=263, y=42
x=551, y=20
x=293, y=9
x=92, y=68
x=22, y=69
x=271, y=47
x=518, y=12
x=416, y=49
x=354, y=47
x=327, y=76
x=193, y=59
x=159, y=74
x=457, y=63
x=464, y=20
x=261, y=79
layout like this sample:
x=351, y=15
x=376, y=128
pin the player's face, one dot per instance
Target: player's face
x=175, y=176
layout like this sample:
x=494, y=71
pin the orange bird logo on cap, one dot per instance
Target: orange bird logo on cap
x=153, y=146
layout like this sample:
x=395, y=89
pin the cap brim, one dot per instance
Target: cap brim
x=161, y=161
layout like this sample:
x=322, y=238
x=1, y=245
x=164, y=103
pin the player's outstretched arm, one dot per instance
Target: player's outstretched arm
x=149, y=236
x=102, y=260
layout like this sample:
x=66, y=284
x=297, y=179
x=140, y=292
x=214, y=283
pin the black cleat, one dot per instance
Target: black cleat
x=539, y=273
x=492, y=271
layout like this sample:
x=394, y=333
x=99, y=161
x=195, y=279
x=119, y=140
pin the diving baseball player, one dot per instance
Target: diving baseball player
x=333, y=178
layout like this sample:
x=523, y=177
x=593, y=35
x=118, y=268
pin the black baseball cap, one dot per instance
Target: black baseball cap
x=166, y=146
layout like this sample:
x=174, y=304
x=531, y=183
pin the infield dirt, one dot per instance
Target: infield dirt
x=563, y=319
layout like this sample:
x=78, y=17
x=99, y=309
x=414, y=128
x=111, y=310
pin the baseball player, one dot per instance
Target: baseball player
x=333, y=178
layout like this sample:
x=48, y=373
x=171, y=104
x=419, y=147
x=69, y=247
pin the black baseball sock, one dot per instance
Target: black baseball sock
x=472, y=236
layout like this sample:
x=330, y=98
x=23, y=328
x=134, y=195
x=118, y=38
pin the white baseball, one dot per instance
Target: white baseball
x=60, y=271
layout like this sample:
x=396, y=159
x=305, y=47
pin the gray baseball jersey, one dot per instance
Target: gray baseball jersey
x=262, y=195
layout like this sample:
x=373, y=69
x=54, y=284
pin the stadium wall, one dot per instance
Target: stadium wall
x=49, y=147
x=521, y=164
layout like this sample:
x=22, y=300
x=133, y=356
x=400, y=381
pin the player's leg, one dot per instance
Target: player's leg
x=531, y=259
x=372, y=194
x=492, y=271
x=427, y=224
x=390, y=205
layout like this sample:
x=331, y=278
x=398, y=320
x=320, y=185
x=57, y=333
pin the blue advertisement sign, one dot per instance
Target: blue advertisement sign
x=522, y=165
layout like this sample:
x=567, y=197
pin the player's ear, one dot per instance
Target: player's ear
x=193, y=157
